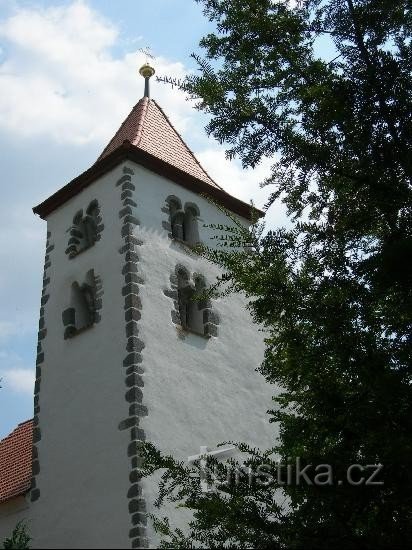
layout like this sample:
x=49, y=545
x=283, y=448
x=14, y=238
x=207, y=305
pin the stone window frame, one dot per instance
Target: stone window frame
x=69, y=314
x=78, y=242
x=210, y=318
x=180, y=211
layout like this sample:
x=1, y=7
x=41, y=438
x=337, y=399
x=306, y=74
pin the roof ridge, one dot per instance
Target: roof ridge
x=185, y=144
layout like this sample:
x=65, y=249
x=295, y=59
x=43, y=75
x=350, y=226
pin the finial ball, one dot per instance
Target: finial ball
x=146, y=71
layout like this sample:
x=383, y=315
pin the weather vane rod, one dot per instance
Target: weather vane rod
x=147, y=71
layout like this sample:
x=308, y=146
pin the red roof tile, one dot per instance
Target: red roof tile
x=148, y=128
x=16, y=461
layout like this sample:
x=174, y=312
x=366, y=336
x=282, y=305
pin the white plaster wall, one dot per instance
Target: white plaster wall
x=84, y=468
x=198, y=391
x=11, y=512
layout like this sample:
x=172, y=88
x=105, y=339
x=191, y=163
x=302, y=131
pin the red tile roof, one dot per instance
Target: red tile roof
x=148, y=128
x=16, y=461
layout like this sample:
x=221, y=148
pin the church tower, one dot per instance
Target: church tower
x=124, y=354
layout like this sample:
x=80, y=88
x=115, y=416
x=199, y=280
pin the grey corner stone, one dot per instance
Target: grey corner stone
x=134, y=344
x=134, y=380
x=45, y=299
x=36, y=435
x=138, y=409
x=129, y=202
x=132, y=329
x=134, y=491
x=131, y=239
x=130, y=288
x=127, y=229
x=137, y=434
x=137, y=532
x=34, y=453
x=125, y=211
x=136, y=505
x=134, y=369
x=133, y=278
x=128, y=423
x=134, y=448
x=47, y=265
x=140, y=518
x=141, y=542
x=132, y=300
x=137, y=464
x=132, y=359
x=124, y=179
x=134, y=395
x=126, y=195
x=132, y=314
x=131, y=220
x=131, y=256
x=49, y=249
x=40, y=358
x=38, y=371
x=128, y=186
x=35, y=467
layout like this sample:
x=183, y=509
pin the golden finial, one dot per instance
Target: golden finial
x=147, y=72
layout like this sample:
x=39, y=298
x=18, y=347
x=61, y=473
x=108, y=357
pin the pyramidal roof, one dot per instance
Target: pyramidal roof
x=148, y=128
x=147, y=137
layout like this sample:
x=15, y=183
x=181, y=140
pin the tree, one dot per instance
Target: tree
x=334, y=290
x=19, y=538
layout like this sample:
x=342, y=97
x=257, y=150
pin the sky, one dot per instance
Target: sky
x=68, y=77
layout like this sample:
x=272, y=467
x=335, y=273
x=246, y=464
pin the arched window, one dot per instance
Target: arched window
x=183, y=221
x=192, y=312
x=85, y=230
x=84, y=304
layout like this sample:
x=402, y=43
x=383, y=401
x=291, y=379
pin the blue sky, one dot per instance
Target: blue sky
x=68, y=77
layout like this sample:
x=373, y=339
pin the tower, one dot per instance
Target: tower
x=125, y=354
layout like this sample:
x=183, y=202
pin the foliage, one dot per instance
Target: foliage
x=19, y=537
x=334, y=290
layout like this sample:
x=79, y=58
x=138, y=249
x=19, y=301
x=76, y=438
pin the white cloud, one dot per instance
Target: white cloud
x=14, y=375
x=243, y=184
x=18, y=380
x=60, y=79
x=7, y=329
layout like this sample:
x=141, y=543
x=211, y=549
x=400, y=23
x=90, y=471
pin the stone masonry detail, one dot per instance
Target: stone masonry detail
x=35, y=491
x=132, y=362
